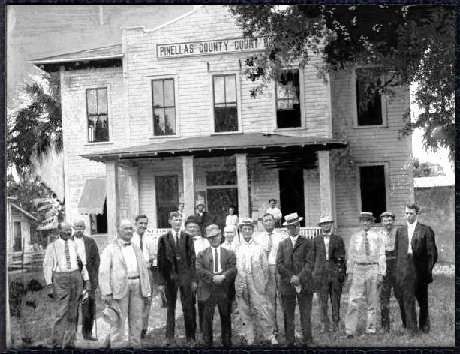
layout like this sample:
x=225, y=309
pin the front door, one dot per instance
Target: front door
x=167, y=198
x=291, y=193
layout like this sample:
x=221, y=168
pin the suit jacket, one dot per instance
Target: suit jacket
x=336, y=268
x=176, y=263
x=92, y=261
x=297, y=260
x=204, y=270
x=424, y=254
x=113, y=272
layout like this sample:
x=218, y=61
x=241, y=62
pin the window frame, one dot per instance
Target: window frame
x=109, y=128
x=301, y=99
x=386, y=168
x=383, y=103
x=238, y=101
x=150, y=79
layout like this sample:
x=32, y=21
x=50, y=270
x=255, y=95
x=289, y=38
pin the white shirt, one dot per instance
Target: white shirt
x=81, y=248
x=149, y=246
x=130, y=259
x=231, y=220
x=326, y=239
x=294, y=239
x=200, y=244
x=410, y=234
x=219, y=266
x=276, y=212
x=231, y=246
x=263, y=239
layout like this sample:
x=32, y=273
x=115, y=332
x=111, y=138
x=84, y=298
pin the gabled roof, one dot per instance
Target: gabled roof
x=102, y=53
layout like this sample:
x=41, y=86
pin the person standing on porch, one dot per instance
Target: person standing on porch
x=232, y=219
x=270, y=240
x=366, y=267
x=203, y=217
x=275, y=211
x=176, y=263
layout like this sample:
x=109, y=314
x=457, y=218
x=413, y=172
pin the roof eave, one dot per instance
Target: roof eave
x=71, y=60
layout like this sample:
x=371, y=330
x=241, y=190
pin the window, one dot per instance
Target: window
x=225, y=110
x=164, y=107
x=373, y=189
x=17, y=241
x=98, y=121
x=368, y=98
x=287, y=100
x=98, y=222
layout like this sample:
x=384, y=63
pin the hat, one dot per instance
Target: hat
x=246, y=222
x=229, y=228
x=292, y=219
x=192, y=219
x=325, y=219
x=366, y=215
x=212, y=230
x=79, y=223
x=270, y=200
x=387, y=214
x=111, y=316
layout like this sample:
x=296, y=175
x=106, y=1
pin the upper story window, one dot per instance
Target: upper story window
x=225, y=104
x=287, y=100
x=98, y=119
x=368, y=97
x=164, y=107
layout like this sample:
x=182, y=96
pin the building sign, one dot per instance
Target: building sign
x=220, y=46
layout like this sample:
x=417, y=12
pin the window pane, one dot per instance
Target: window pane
x=158, y=93
x=368, y=99
x=230, y=88
x=169, y=93
x=218, y=178
x=289, y=118
x=102, y=101
x=284, y=104
x=170, y=121
x=158, y=122
x=226, y=119
x=219, y=91
x=91, y=101
x=101, y=129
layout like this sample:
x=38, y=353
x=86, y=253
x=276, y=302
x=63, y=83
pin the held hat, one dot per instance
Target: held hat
x=387, y=214
x=246, y=222
x=325, y=219
x=366, y=215
x=212, y=230
x=111, y=316
x=292, y=219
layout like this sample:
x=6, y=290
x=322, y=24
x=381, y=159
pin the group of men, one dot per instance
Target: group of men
x=253, y=275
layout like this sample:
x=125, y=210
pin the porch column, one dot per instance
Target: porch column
x=111, y=171
x=133, y=191
x=188, y=174
x=243, y=186
x=326, y=184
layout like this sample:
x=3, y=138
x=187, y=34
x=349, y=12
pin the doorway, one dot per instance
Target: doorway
x=292, y=197
x=167, y=198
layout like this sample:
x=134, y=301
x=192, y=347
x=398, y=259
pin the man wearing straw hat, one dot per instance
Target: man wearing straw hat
x=329, y=271
x=294, y=263
x=366, y=268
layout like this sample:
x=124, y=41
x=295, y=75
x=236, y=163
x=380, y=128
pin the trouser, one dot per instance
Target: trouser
x=188, y=308
x=272, y=294
x=201, y=306
x=305, y=304
x=67, y=291
x=153, y=279
x=330, y=288
x=88, y=312
x=388, y=283
x=224, y=307
x=129, y=307
x=364, y=282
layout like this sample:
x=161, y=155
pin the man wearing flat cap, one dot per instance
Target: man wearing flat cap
x=294, y=262
x=366, y=268
x=88, y=307
x=216, y=272
x=329, y=271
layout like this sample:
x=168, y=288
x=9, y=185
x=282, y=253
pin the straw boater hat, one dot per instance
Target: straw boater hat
x=246, y=222
x=212, y=230
x=292, y=219
x=111, y=316
x=366, y=215
x=387, y=214
x=325, y=219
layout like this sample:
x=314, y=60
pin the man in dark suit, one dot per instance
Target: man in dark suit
x=203, y=217
x=416, y=254
x=176, y=265
x=216, y=271
x=294, y=262
x=88, y=307
x=329, y=271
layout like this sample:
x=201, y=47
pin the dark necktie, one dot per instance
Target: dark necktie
x=216, y=261
x=67, y=254
x=366, y=244
x=141, y=244
x=270, y=243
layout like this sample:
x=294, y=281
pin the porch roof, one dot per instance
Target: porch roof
x=204, y=146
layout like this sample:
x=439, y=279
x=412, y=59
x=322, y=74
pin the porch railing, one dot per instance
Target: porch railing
x=25, y=261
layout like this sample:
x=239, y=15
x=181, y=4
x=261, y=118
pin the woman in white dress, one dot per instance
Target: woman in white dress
x=232, y=218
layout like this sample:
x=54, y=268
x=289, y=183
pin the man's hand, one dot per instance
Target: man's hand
x=194, y=286
x=107, y=299
x=87, y=285
x=146, y=300
x=379, y=279
x=161, y=288
x=50, y=291
x=295, y=280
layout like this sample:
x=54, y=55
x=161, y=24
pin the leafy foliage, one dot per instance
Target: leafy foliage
x=411, y=44
x=36, y=127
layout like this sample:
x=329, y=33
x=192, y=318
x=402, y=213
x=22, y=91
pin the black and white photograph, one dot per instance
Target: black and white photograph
x=230, y=176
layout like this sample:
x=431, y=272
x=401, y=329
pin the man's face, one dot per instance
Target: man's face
x=247, y=232
x=141, y=225
x=193, y=229
x=269, y=223
x=65, y=232
x=411, y=215
x=175, y=222
x=293, y=230
x=366, y=224
x=326, y=227
x=387, y=222
x=272, y=204
x=78, y=230
x=201, y=208
x=215, y=240
x=126, y=232
x=229, y=236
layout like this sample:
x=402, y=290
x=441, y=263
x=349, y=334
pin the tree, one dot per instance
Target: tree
x=37, y=126
x=412, y=44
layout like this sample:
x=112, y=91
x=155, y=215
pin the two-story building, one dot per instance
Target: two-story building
x=167, y=117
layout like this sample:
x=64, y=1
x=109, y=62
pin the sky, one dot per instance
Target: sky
x=35, y=31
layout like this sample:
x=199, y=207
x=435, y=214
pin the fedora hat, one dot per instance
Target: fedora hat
x=366, y=215
x=111, y=316
x=212, y=230
x=325, y=219
x=292, y=219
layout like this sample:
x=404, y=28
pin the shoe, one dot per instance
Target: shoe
x=143, y=333
x=349, y=336
x=90, y=338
